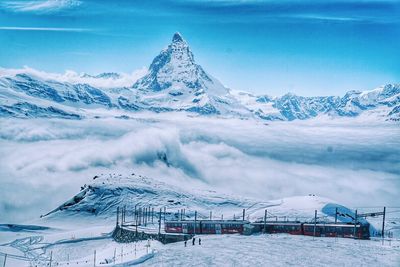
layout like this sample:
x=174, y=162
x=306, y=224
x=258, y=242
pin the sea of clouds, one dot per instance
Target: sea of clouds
x=45, y=161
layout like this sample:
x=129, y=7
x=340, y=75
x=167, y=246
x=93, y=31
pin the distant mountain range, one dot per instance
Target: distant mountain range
x=174, y=82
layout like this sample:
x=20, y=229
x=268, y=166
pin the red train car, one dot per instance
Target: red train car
x=337, y=230
x=321, y=229
x=288, y=227
x=205, y=226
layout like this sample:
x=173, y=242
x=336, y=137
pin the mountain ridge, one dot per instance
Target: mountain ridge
x=175, y=82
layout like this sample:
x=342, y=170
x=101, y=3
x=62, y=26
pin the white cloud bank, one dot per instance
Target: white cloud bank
x=44, y=162
x=124, y=79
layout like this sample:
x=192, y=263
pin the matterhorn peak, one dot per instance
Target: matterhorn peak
x=177, y=38
x=175, y=72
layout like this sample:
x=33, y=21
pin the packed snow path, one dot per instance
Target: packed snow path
x=277, y=250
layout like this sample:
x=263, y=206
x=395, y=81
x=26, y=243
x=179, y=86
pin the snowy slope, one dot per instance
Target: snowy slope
x=102, y=197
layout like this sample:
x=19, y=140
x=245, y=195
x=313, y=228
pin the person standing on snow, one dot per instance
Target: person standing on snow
x=193, y=241
x=199, y=241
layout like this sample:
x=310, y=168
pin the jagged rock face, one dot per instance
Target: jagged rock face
x=57, y=91
x=176, y=82
x=174, y=67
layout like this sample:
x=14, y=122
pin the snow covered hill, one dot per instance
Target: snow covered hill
x=101, y=198
x=175, y=82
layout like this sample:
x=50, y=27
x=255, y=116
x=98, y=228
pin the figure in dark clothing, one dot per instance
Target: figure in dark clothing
x=185, y=243
x=193, y=241
x=199, y=241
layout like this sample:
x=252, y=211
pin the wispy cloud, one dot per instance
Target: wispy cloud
x=47, y=6
x=44, y=29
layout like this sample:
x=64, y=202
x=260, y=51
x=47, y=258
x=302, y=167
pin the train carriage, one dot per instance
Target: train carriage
x=289, y=227
x=292, y=227
x=337, y=230
x=205, y=226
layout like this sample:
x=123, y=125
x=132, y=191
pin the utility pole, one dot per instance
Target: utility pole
x=136, y=225
x=115, y=253
x=138, y=216
x=94, y=259
x=195, y=221
x=265, y=222
x=117, y=215
x=244, y=214
x=336, y=215
x=5, y=260
x=135, y=212
x=336, y=212
x=148, y=214
x=315, y=222
x=123, y=214
x=152, y=215
x=383, y=222
x=159, y=224
x=145, y=216
x=210, y=215
x=165, y=212
x=355, y=225
x=51, y=257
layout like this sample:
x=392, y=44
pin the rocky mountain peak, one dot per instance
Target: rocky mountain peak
x=174, y=68
x=177, y=38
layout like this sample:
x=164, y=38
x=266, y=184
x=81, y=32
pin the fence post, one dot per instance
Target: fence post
x=115, y=255
x=165, y=212
x=5, y=260
x=94, y=260
x=210, y=215
x=152, y=215
x=244, y=214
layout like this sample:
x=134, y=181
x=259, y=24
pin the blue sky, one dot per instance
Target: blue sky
x=273, y=47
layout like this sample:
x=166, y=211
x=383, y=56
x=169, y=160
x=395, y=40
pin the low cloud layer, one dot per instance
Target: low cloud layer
x=44, y=162
x=124, y=79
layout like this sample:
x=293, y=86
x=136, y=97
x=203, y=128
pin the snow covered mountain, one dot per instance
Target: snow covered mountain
x=175, y=82
x=290, y=107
